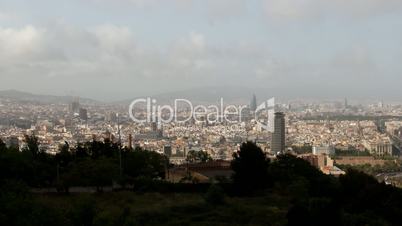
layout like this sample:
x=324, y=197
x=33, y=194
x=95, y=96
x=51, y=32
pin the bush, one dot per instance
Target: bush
x=215, y=195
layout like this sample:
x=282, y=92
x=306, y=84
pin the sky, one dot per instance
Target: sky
x=119, y=49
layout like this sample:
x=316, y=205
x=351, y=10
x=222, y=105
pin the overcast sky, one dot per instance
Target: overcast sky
x=119, y=49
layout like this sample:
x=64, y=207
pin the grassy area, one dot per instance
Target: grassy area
x=129, y=208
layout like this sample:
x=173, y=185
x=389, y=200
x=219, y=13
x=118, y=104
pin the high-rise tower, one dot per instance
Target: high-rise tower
x=278, y=137
x=75, y=105
x=253, y=103
x=346, y=104
x=83, y=114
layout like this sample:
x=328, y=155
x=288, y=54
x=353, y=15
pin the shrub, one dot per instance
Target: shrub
x=215, y=195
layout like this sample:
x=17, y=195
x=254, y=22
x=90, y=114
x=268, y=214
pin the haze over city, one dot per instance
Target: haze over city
x=129, y=48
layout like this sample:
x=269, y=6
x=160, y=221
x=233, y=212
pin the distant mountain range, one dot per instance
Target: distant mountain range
x=197, y=95
x=25, y=96
x=203, y=95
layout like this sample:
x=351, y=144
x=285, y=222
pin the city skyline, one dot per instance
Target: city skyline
x=201, y=95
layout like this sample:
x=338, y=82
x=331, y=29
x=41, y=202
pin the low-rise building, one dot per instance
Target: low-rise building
x=324, y=149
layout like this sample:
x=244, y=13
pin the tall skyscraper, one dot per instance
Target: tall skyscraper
x=278, y=137
x=83, y=114
x=111, y=117
x=381, y=104
x=253, y=103
x=75, y=105
x=346, y=104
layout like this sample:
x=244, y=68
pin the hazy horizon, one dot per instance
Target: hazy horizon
x=204, y=95
x=116, y=50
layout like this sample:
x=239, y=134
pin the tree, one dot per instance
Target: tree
x=84, y=211
x=42, y=165
x=103, y=171
x=81, y=151
x=354, y=182
x=64, y=156
x=88, y=172
x=215, y=195
x=3, y=146
x=250, y=166
x=298, y=215
x=143, y=163
x=287, y=166
x=287, y=169
x=198, y=156
x=32, y=145
x=303, y=149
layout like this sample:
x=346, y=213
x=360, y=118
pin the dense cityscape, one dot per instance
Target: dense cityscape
x=335, y=128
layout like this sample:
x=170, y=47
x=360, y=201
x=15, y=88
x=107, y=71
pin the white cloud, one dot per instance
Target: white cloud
x=223, y=9
x=111, y=54
x=20, y=44
x=137, y=3
x=275, y=9
x=114, y=52
x=315, y=9
x=114, y=38
x=3, y=16
x=192, y=44
x=102, y=51
x=7, y=16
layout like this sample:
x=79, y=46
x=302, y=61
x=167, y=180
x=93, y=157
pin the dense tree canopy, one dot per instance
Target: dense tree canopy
x=93, y=163
x=198, y=156
x=308, y=197
x=250, y=166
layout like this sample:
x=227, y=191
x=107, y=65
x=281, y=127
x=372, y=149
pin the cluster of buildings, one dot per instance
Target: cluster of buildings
x=341, y=134
x=323, y=162
x=296, y=125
